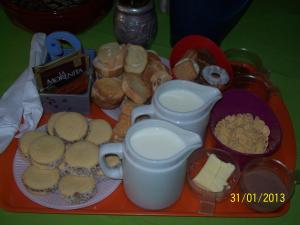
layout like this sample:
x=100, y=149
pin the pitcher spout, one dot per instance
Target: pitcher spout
x=214, y=100
x=192, y=142
x=209, y=96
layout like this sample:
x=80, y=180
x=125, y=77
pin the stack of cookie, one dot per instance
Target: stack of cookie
x=127, y=76
x=66, y=157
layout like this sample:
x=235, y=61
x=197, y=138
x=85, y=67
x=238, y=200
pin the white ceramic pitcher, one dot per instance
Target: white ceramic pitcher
x=190, y=108
x=154, y=156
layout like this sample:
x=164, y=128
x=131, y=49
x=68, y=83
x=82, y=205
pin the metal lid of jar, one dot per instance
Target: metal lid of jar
x=135, y=7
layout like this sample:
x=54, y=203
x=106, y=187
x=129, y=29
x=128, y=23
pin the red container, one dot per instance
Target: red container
x=200, y=43
x=74, y=19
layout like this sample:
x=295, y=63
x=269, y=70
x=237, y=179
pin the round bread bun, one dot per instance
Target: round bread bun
x=51, y=122
x=151, y=68
x=77, y=189
x=110, y=60
x=47, y=151
x=27, y=138
x=71, y=126
x=135, y=88
x=153, y=56
x=99, y=132
x=136, y=59
x=81, y=158
x=107, y=93
x=40, y=181
x=159, y=78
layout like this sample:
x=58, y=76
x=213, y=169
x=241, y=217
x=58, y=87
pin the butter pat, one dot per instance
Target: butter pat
x=214, y=174
x=206, y=175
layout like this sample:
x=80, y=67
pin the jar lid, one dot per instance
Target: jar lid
x=135, y=7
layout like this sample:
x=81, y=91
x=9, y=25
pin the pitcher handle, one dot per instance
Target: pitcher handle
x=145, y=110
x=111, y=149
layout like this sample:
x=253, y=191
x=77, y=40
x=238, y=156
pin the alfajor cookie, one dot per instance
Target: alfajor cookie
x=40, y=181
x=51, y=122
x=27, y=138
x=71, y=126
x=81, y=158
x=77, y=189
x=47, y=151
x=99, y=132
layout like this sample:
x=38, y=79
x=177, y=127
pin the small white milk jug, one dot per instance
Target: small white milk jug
x=183, y=103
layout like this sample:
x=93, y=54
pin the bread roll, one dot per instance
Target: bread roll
x=135, y=88
x=159, y=78
x=110, y=60
x=153, y=56
x=136, y=59
x=151, y=68
x=107, y=93
x=186, y=69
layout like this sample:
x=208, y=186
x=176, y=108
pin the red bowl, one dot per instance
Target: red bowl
x=200, y=42
x=74, y=19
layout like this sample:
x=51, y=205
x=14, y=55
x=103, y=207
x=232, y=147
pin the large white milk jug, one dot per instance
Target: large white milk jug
x=184, y=103
x=154, y=156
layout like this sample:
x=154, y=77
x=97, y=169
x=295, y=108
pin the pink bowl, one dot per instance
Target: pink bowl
x=241, y=101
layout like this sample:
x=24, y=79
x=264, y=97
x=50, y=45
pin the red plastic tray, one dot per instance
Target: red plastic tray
x=11, y=199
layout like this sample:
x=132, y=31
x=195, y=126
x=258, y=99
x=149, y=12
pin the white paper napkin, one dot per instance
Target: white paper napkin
x=22, y=99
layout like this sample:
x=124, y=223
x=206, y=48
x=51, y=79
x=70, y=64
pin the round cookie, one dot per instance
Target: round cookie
x=52, y=120
x=27, y=139
x=47, y=151
x=40, y=181
x=77, y=189
x=99, y=132
x=71, y=126
x=81, y=158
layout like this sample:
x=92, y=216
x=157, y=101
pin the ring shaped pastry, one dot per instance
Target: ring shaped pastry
x=215, y=75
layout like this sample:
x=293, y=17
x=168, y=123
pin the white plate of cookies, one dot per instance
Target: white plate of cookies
x=57, y=165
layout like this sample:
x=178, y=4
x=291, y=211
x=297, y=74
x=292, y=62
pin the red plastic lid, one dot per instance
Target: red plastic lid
x=200, y=42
